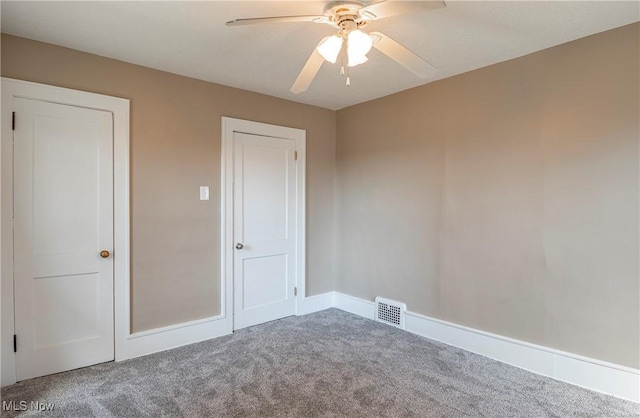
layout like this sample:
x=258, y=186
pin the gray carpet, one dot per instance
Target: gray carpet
x=327, y=364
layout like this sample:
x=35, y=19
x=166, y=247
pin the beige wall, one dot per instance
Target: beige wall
x=175, y=148
x=505, y=199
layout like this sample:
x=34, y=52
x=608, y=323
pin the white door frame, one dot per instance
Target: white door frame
x=229, y=126
x=11, y=89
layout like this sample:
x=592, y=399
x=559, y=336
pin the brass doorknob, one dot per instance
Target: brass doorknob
x=104, y=254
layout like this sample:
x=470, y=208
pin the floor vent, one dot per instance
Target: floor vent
x=390, y=312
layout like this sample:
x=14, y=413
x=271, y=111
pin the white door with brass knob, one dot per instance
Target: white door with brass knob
x=63, y=237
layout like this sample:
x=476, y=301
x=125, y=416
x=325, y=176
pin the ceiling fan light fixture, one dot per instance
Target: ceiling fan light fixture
x=353, y=61
x=358, y=45
x=330, y=47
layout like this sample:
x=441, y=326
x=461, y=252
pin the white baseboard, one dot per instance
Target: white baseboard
x=354, y=305
x=317, y=303
x=612, y=379
x=609, y=378
x=165, y=338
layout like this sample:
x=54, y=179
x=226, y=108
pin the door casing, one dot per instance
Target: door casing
x=229, y=126
x=11, y=89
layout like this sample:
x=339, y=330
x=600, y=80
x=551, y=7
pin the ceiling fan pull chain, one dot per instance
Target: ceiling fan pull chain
x=343, y=52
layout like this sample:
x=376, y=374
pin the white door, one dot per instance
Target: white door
x=63, y=188
x=264, y=230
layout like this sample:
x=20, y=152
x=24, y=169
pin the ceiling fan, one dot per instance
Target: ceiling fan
x=350, y=44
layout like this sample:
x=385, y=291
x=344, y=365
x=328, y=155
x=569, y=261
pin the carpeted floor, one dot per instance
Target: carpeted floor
x=330, y=363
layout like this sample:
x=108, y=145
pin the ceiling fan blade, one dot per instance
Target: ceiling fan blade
x=278, y=19
x=402, y=55
x=384, y=9
x=308, y=73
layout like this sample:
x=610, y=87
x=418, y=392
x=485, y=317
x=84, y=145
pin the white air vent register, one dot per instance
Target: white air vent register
x=390, y=312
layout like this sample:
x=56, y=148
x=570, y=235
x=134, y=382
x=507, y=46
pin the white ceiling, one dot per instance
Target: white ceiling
x=190, y=38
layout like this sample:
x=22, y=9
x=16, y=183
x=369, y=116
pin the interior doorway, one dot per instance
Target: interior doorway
x=263, y=220
x=64, y=230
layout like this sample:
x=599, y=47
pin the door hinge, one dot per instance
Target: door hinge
x=295, y=291
x=13, y=121
x=15, y=343
x=295, y=155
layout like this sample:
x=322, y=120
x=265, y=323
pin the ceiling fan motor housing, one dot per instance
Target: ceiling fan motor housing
x=346, y=14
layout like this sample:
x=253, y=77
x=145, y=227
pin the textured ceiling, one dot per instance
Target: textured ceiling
x=190, y=38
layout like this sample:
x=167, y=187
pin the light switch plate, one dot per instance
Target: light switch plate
x=204, y=192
